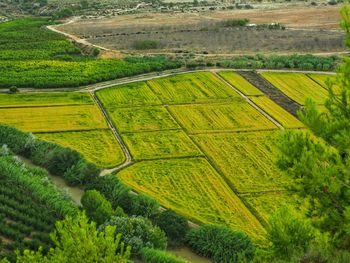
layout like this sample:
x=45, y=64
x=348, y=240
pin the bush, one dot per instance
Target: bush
x=151, y=255
x=235, y=22
x=97, y=207
x=146, y=44
x=138, y=232
x=174, y=226
x=221, y=244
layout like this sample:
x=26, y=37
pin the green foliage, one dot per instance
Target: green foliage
x=96, y=206
x=151, y=255
x=146, y=44
x=235, y=22
x=289, y=234
x=32, y=56
x=77, y=240
x=319, y=161
x=221, y=244
x=120, y=195
x=55, y=158
x=138, y=232
x=174, y=226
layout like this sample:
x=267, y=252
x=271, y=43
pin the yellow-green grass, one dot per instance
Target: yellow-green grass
x=240, y=83
x=247, y=160
x=44, y=99
x=324, y=79
x=142, y=119
x=264, y=205
x=192, y=87
x=164, y=144
x=61, y=118
x=278, y=113
x=98, y=146
x=221, y=117
x=191, y=187
x=128, y=95
x=297, y=86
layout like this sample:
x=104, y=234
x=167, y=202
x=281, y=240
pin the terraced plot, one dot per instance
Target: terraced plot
x=128, y=95
x=240, y=83
x=323, y=79
x=297, y=86
x=194, y=87
x=61, y=118
x=221, y=117
x=142, y=119
x=44, y=99
x=278, y=113
x=246, y=160
x=192, y=188
x=99, y=146
x=164, y=144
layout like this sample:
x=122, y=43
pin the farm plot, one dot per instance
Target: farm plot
x=278, y=113
x=240, y=83
x=164, y=144
x=247, y=160
x=220, y=117
x=47, y=119
x=44, y=99
x=323, y=79
x=98, y=146
x=193, y=87
x=297, y=86
x=138, y=119
x=133, y=94
x=192, y=188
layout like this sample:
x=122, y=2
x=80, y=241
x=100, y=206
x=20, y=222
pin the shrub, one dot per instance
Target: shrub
x=151, y=255
x=174, y=226
x=138, y=232
x=97, y=207
x=146, y=44
x=221, y=243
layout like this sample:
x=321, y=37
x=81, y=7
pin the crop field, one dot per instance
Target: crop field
x=278, y=113
x=246, y=160
x=97, y=146
x=138, y=119
x=192, y=187
x=163, y=144
x=323, y=79
x=240, y=83
x=129, y=95
x=297, y=86
x=48, y=119
x=221, y=117
x=44, y=99
x=194, y=87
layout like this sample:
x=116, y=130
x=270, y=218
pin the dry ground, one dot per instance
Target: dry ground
x=310, y=30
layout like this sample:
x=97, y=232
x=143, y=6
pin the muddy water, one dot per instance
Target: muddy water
x=186, y=253
x=73, y=192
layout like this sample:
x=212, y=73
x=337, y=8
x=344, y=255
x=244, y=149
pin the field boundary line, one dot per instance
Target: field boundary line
x=250, y=102
x=172, y=158
x=66, y=131
x=128, y=158
x=46, y=106
x=209, y=132
x=150, y=131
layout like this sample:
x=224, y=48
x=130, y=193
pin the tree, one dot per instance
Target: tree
x=77, y=240
x=319, y=160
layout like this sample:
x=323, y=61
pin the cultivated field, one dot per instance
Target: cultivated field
x=70, y=119
x=297, y=86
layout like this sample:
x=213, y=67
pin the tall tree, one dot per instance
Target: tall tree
x=319, y=159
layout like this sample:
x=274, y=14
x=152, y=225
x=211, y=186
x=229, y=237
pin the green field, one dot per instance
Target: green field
x=137, y=119
x=192, y=188
x=297, y=86
x=278, y=113
x=247, y=160
x=221, y=117
x=48, y=119
x=240, y=83
x=163, y=144
x=323, y=80
x=194, y=87
x=129, y=95
x=98, y=147
x=44, y=99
